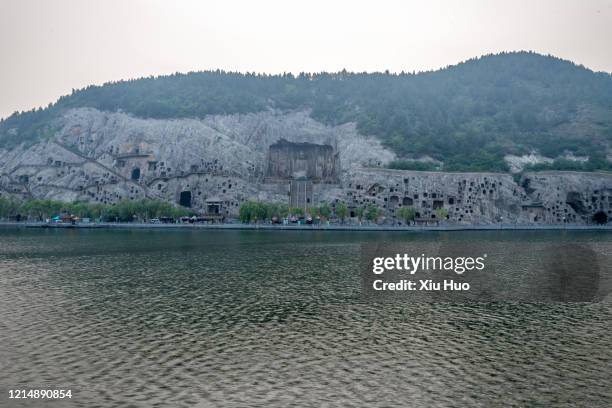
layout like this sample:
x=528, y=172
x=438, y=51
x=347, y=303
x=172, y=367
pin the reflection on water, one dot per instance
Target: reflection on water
x=262, y=318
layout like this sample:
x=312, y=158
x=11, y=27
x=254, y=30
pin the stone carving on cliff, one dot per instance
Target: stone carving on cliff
x=106, y=157
x=289, y=160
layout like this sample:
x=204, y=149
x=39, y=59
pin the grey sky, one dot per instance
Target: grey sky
x=49, y=47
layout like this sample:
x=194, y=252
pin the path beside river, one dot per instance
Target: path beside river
x=312, y=227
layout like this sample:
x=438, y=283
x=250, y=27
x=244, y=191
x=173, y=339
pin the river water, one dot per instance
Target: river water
x=168, y=318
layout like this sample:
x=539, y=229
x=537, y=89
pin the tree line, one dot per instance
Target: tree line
x=143, y=210
x=257, y=211
x=123, y=211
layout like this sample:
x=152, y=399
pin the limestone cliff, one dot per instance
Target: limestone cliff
x=106, y=157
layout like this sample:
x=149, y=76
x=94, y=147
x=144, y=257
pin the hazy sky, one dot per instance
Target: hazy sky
x=49, y=47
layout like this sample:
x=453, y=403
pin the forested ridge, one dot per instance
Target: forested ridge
x=467, y=116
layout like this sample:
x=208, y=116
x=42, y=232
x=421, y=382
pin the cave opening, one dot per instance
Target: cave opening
x=185, y=199
x=574, y=200
x=600, y=217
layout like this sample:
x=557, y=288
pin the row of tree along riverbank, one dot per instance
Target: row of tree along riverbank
x=145, y=210
x=123, y=211
x=254, y=211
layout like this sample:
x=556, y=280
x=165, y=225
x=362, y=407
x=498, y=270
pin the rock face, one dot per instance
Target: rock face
x=287, y=160
x=517, y=163
x=106, y=157
x=477, y=198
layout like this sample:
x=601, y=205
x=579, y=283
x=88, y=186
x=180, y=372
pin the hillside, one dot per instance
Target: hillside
x=467, y=117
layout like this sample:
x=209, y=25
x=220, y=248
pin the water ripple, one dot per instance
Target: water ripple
x=158, y=319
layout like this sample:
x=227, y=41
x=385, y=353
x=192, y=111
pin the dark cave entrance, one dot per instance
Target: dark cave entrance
x=214, y=208
x=136, y=173
x=600, y=217
x=185, y=199
x=574, y=200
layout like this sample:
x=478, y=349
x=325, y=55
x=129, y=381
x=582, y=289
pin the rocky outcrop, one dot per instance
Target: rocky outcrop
x=480, y=198
x=106, y=157
x=517, y=163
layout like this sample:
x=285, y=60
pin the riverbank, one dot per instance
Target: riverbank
x=320, y=227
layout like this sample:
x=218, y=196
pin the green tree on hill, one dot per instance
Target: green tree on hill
x=341, y=211
x=9, y=207
x=468, y=116
x=359, y=211
x=406, y=214
x=441, y=213
x=372, y=212
x=324, y=211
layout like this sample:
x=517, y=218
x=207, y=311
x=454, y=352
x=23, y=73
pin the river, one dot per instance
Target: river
x=277, y=318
